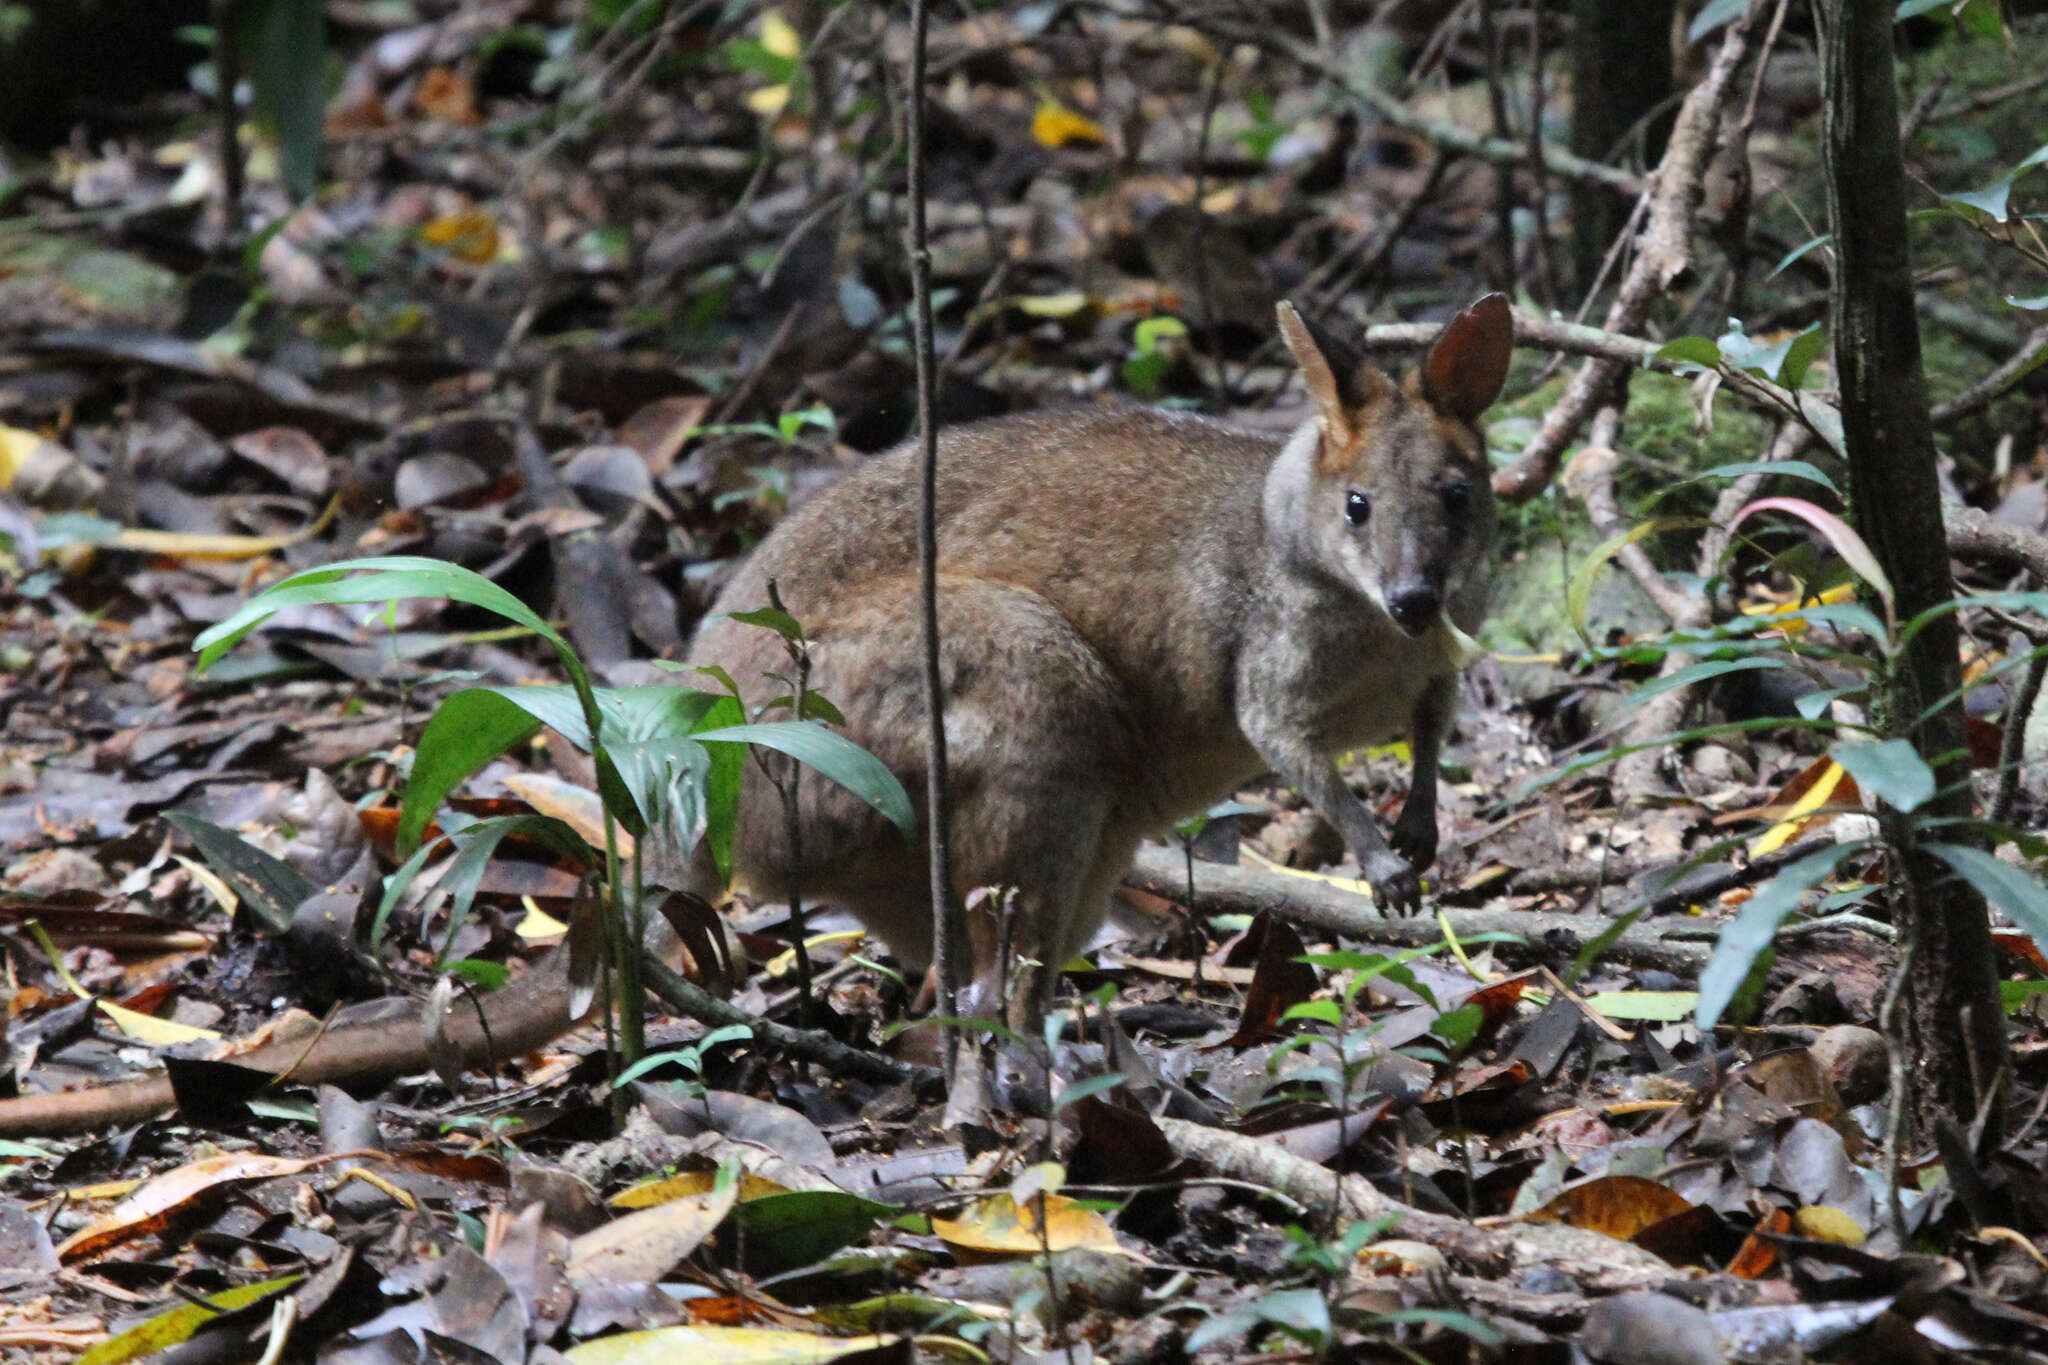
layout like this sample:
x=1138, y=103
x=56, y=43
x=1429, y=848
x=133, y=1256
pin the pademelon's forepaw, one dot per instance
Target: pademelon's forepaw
x=1395, y=883
x=1415, y=841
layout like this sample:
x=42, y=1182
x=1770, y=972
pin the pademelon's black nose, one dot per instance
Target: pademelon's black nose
x=1414, y=608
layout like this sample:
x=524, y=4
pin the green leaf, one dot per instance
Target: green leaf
x=381, y=579
x=1580, y=591
x=803, y=1227
x=1773, y=360
x=1889, y=769
x=466, y=731
x=1713, y=668
x=1798, y=251
x=481, y=973
x=271, y=887
x=1315, y=1011
x=1459, y=1027
x=1799, y=357
x=1749, y=934
x=2014, y=890
x=1144, y=372
x=1794, y=469
x=771, y=618
x=1700, y=351
x=2012, y=997
x=836, y=756
x=1992, y=200
x=284, y=43
x=1149, y=333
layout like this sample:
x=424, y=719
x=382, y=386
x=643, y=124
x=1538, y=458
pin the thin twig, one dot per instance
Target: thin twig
x=947, y=926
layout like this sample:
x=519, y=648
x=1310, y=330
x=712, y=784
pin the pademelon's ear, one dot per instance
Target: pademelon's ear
x=1339, y=380
x=1464, y=370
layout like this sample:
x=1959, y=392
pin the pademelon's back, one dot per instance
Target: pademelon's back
x=1055, y=501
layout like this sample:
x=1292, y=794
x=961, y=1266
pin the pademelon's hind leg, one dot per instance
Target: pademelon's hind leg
x=1036, y=751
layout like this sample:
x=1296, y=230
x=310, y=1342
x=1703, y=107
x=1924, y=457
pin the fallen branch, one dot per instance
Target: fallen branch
x=527, y=1014
x=1548, y=937
x=1591, y=1259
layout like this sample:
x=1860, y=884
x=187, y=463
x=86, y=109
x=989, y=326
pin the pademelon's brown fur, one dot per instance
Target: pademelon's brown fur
x=1139, y=610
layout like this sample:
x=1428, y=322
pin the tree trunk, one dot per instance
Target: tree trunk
x=1621, y=72
x=1949, y=1021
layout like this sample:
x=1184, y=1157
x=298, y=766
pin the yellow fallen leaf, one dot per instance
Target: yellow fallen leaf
x=1354, y=885
x=1792, y=621
x=1465, y=651
x=1055, y=125
x=1664, y=1007
x=470, y=235
x=1055, y=306
x=649, y=1193
x=997, y=1225
x=1816, y=796
x=149, y=1209
x=188, y=545
x=149, y=1029
x=223, y=895
x=778, y=37
x=1824, y=1224
x=538, y=923
x=769, y=100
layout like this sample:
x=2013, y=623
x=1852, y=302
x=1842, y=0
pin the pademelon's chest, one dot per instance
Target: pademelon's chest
x=1365, y=691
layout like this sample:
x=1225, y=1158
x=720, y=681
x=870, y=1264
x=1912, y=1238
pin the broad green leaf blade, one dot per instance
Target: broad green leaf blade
x=270, y=886
x=1799, y=357
x=1750, y=932
x=1798, y=251
x=1699, y=351
x=1992, y=200
x=1793, y=469
x=836, y=756
x=1889, y=769
x=1713, y=668
x=722, y=782
x=1580, y=591
x=2014, y=890
x=381, y=579
x=468, y=730
x=769, y=618
x=284, y=45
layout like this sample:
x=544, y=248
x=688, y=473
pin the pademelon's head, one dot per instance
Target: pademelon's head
x=1400, y=498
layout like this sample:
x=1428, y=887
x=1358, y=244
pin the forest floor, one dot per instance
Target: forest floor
x=588, y=321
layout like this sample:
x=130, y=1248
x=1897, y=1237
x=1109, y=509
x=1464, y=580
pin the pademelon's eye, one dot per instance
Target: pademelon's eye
x=1457, y=497
x=1357, y=507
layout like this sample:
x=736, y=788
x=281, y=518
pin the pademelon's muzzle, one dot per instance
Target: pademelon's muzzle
x=1415, y=607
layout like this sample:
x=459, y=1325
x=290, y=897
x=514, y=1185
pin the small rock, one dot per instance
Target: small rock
x=1650, y=1329
x=1856, y=1060
x=1719, y=764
